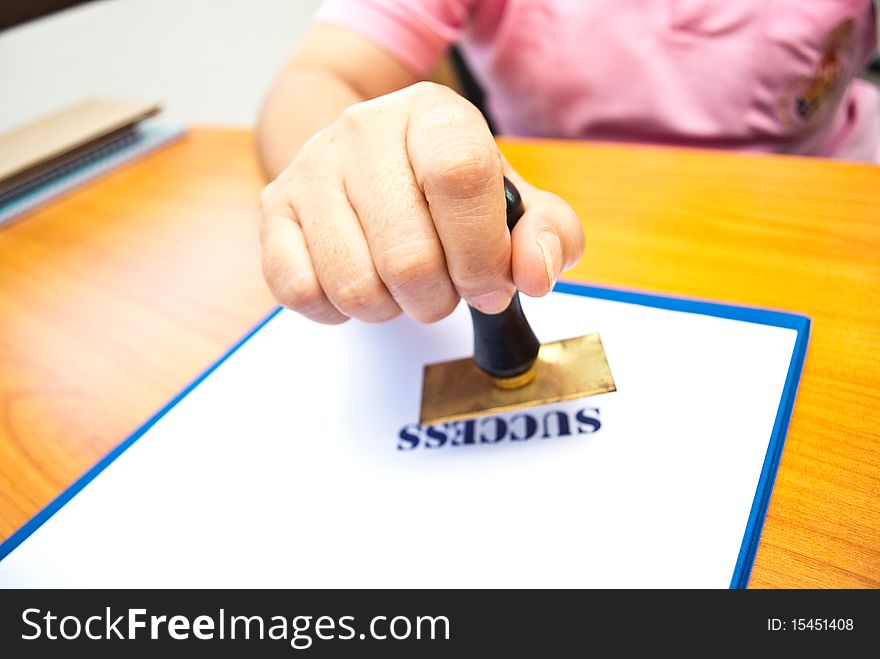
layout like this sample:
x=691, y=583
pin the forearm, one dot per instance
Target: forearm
x=301, y=102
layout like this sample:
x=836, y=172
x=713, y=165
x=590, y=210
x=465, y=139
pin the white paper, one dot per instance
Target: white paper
x=283, y=467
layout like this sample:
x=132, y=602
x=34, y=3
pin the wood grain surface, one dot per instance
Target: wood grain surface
x=115, y=297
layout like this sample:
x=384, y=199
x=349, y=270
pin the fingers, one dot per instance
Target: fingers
x=458, y=167
x=399, y=229
x=315, y=257
x=341, y=256
x=400, y=206
x=288, y=270
x=547, y=239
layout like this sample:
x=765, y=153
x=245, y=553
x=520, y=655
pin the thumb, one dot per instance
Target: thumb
x=547, y=239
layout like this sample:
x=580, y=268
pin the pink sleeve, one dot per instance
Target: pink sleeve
x=417, y=32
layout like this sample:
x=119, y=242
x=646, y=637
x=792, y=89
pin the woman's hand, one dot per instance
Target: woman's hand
x=399, y=206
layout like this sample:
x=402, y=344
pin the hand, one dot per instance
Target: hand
x=399, y=206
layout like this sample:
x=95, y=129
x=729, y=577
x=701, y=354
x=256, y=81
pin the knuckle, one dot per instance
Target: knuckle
x=363, y=296
x=269, y=198
x=417, y=269
x=299, y=292
x=293, y=287
x=439, y=109
x=467, y=171
x=420, y=280
x=356, y=118
x=273, y=267
x=267, y=194
x=471, y=284
x=482, y=273
x=312, y=161
x=430, y=96
x=304, y=166
x=429, y=89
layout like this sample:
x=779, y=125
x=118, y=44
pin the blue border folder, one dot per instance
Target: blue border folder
x=761, y=500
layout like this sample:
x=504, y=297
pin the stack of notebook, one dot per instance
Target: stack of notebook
x=49, y=157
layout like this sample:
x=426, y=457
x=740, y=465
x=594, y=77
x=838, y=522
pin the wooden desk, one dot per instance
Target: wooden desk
x=113, y=298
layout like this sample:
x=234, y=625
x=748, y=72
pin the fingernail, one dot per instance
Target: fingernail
x=494, y=302
x=551, y=248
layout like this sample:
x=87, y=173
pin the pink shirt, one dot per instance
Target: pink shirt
x=760, y=75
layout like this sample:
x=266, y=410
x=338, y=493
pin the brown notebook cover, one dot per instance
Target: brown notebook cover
x=33, y=147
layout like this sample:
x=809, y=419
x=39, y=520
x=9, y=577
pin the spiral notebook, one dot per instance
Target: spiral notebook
x=297, y=461
x=58, y=153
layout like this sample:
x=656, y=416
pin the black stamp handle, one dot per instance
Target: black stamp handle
x=504, y=344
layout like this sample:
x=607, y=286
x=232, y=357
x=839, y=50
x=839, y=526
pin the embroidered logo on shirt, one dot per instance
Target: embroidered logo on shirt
x=807, y=96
